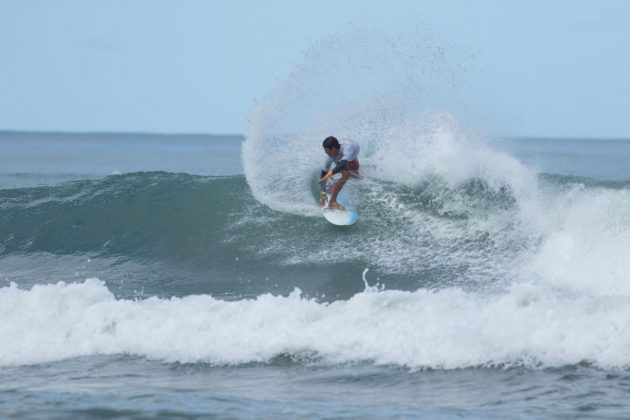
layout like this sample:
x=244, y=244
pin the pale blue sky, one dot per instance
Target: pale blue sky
x=549, y=68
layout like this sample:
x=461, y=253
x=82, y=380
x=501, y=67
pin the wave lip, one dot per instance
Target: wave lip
x=449, y=329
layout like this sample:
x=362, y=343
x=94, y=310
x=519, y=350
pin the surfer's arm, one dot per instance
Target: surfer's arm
x=325, y=175
x=322, y=185
x=339, y=167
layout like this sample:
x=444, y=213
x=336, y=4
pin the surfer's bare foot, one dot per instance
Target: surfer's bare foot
x=333, y=205
x=322, y=202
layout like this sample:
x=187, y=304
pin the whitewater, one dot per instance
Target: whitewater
x=525, y=327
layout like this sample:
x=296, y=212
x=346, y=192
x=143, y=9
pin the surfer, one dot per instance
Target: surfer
x=345, y=158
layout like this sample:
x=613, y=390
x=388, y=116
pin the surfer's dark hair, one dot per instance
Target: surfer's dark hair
x=331, y=142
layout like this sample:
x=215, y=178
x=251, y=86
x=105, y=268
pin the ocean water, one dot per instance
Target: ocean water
x=166, y=276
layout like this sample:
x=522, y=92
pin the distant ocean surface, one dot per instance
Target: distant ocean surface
x=176, y=276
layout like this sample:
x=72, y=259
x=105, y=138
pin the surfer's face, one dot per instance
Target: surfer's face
x=332, y=152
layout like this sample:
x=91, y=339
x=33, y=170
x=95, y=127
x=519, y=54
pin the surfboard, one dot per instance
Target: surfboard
x=341, y=217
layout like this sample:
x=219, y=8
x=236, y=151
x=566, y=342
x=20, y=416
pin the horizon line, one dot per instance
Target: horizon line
x=101, y=132
x=199, y=134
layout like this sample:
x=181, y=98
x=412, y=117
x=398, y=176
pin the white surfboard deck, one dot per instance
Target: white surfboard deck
x=340, y=217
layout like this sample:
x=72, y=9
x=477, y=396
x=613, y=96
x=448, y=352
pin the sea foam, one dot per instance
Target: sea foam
x=528, y=325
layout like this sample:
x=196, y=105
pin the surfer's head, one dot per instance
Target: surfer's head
x=331, y=146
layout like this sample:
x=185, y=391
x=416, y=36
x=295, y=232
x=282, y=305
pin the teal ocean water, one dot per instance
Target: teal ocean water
x=168, y=276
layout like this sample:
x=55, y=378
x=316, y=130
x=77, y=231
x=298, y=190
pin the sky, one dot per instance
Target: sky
x=548, y=68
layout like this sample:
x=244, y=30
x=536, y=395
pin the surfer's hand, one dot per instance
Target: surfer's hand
x=322, y=200
x=325, y=177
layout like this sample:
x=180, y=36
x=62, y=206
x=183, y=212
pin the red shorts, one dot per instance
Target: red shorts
x=352, y=166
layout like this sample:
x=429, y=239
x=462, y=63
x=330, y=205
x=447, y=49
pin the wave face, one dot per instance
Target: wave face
x=478, y=232
x=445, y=234
x=137, y=214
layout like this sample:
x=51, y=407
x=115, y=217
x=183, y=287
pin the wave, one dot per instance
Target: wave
x=527, y=326
x=436, y=233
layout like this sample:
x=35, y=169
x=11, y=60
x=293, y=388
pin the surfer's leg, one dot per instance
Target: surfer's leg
x=336, y=188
